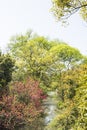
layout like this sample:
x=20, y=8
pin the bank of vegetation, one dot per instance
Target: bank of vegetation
x=33, y=66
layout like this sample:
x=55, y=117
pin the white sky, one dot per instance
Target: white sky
x=18, y=16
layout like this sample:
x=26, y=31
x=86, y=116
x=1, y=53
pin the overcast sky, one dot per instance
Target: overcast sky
x=18, y=16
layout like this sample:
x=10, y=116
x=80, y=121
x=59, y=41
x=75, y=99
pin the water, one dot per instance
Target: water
x=50, y=105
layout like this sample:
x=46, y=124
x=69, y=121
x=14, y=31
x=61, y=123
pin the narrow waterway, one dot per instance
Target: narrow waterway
x=50, y=107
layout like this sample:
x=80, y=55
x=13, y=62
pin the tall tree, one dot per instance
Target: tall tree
x=42, y=59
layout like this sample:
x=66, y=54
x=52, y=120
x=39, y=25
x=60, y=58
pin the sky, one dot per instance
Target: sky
x=18, y=16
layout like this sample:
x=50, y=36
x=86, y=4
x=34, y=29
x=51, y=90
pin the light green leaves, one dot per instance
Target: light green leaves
x=63, y=9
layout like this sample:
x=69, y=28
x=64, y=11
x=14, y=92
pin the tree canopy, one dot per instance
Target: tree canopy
x=63, y=9
x=41, y=58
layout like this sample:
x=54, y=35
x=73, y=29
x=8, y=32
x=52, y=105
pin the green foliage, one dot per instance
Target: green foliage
x=6, y=68
x=56, y=65
x=63, y=9
x=73, y=106
x=30, y=54
x=81, y=97
x=66, y=55
x=42, y=59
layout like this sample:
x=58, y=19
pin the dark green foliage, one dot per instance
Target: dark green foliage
x=6, y=68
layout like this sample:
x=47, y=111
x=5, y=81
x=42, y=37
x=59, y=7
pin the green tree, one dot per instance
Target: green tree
x=6, y=68
x=32, y=58
x=42, y=59
x=63, y=9
x=73, y=109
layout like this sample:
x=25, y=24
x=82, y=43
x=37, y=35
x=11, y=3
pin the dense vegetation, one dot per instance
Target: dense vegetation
x=72, y=96
x=20, y=101
x=34, y=66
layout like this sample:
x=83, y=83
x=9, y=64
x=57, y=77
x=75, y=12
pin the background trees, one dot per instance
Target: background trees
x=42, y=59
